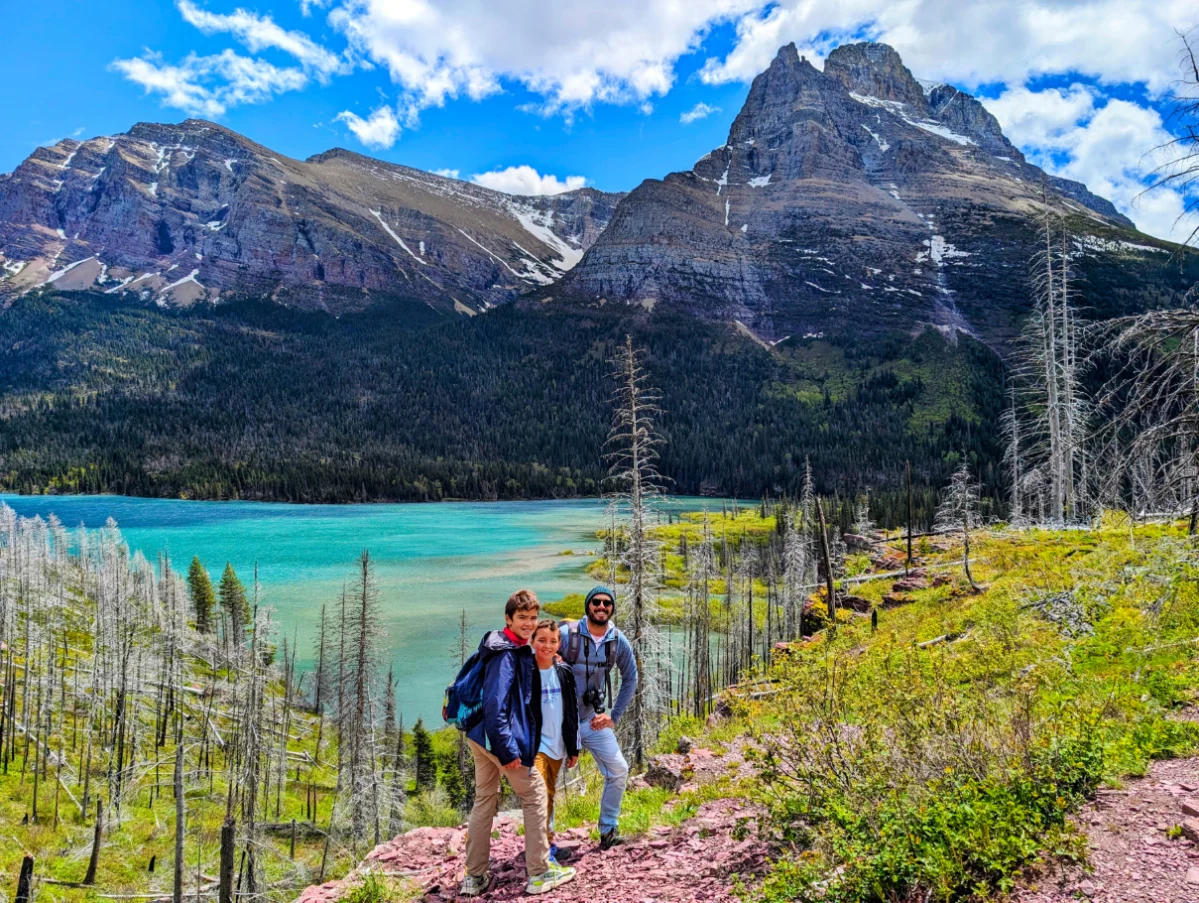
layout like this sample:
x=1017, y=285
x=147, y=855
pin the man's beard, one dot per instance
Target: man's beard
x=595, y=617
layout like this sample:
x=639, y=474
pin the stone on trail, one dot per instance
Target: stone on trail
x=1190, y=829
x=665, y=772
x=1190, y=807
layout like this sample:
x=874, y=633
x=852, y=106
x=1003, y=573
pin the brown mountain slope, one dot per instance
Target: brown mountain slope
x=194, y=210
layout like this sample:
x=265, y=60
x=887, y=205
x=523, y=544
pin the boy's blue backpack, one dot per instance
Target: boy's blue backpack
x=463, y=703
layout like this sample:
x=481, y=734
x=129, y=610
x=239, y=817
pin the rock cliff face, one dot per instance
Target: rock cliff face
x=852, y=200
x=195, y=211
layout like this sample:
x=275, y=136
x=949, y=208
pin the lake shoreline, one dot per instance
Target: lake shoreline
x=15, y=493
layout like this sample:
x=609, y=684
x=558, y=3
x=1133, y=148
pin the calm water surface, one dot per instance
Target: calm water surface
x=431, y=562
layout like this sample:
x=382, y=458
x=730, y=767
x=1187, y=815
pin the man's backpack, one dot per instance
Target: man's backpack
x=574, y=650
x=463, y=703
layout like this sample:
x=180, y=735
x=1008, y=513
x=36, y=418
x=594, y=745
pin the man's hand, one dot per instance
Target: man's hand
x=572, y=761
x=599, y=722
x=514, y=764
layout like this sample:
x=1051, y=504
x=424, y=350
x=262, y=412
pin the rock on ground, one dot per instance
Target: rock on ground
x=1132, y=857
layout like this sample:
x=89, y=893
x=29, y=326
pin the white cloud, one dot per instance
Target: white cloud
x=379, y=131
x=447, y=173
x=525, y=180
x=1041, y=118
x=699, y=111
x=437, y=50
x=1109, y=146
x=260, y=33
x=1114, y=41
x=209, y=85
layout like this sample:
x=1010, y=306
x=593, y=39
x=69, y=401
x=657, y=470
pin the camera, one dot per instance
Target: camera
x=594, y=697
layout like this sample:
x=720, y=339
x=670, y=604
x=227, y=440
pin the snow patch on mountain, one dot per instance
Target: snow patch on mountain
x=882, y=145
x=379, y=216
x=539, y=224
x=58, y=274
x=939, y=250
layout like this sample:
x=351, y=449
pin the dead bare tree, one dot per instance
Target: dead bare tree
x=356, y=725
x=959, y=513
x=1049, y=419
x=1179, y=170
x=632, y=451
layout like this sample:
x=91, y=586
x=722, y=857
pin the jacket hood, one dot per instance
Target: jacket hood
x=497, y=641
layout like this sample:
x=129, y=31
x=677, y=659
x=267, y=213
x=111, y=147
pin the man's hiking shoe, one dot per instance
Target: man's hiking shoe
x=610, y=839
x=474, y=887
x=555, y=877
x=560, y=854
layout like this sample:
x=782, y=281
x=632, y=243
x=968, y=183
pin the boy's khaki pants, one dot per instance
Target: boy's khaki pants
x=549, y=770
x=530, y=790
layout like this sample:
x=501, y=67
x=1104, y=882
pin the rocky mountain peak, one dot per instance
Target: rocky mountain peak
x=875, y=70
x=844, y=201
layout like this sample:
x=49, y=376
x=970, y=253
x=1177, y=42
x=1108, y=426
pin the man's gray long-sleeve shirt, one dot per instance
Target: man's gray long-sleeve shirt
x=589, y=669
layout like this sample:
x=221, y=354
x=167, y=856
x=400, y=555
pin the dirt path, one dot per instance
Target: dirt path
x=693, y=863
x=1132, y=858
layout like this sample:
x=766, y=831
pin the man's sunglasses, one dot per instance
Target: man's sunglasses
x=606, y=603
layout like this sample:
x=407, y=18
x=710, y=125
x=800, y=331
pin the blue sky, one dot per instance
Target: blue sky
x=598, y=92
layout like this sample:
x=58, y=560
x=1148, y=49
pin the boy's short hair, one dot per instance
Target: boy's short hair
x=521, y=600
x=545, y=624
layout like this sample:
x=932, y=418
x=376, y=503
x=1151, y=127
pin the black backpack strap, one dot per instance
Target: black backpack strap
x=573, y=644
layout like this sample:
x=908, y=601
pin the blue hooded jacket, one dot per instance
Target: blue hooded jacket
x=511, y=726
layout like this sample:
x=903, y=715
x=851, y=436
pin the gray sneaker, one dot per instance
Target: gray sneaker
x=472, y=886
x=555, y=877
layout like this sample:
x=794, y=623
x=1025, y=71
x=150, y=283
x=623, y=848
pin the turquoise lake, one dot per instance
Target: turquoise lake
x=431, y=562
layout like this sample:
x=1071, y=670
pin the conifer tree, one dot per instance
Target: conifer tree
x=234, y=602
x=423, y=761
x=202, y=595
x=452, y=783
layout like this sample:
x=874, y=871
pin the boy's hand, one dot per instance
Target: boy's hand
x=599, y=722
x=572, y=761
x=515, y=763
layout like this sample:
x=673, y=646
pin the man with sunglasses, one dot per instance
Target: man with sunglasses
x=592, y=646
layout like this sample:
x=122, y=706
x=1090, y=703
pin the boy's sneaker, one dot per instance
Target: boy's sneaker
x=560, y=854
x=555, y=877
x=473, y=887
x=610, y=839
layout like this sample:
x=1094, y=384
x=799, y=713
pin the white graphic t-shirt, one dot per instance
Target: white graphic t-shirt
x=552, y=712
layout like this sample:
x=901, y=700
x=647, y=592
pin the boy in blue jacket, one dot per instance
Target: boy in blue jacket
x=505, y=744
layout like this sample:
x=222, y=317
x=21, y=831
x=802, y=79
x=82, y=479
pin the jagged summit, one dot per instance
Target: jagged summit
x=875, y=70
x=850, y=199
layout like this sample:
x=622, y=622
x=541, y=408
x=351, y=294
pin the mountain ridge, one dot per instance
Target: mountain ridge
x=141, y=210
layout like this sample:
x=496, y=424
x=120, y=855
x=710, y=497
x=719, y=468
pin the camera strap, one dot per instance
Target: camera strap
x=576, y=635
